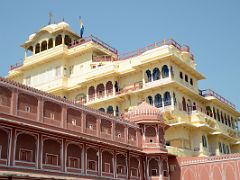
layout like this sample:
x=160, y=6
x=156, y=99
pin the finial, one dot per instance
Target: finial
x=50, y=17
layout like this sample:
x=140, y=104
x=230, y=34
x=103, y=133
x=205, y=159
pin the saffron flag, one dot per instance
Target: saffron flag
x=81, y=27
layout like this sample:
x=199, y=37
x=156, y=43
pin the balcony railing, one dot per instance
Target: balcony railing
x=153, y=46
x=102, y=58
x=95, y=40
x=209, y=92
x=17, y=65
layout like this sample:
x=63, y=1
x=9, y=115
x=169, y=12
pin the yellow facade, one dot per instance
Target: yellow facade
x=90, y=72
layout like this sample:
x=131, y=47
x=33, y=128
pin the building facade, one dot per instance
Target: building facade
x=90, y=72
x=44, y=136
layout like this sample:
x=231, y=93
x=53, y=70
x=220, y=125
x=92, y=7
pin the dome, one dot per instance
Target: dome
x=63, y=24
x=145, y=113
x=31, y=36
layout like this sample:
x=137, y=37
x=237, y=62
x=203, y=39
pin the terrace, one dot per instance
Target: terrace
x=209, y=92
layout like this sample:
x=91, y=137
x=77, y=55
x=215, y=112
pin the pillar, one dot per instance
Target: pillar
x=99, y=162
x=157, y=131
x=14, y=102
x=40, y=152
x=63, y=156
x=12, y=147
x=63, y=39
x=113, y=130
x=40, y=110
x=83, y=122
x=98, y=128
x=143, y=79
x=126, y=134
x=63, y=116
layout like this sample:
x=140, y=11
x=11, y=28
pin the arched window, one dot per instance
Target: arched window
x=109, y=88
x=167, y=99
x=58, y=40
x=186, y=78
x=204, y=141
x=91, y=93
x=150, y=100
x=214, y=113
x=50, y=43
x=150, y=134
x=209, y=111
x=81, y=98
x=149, y=76
x=174, y=99
x=189, y=105
x=153, y=168
x=101, y=109
x=184, y=104
x=67, y=40
x=158, y=101
x=156, y=74
x=165, y=168
x=165, y=71
x=181, y=75
x=100, y=91
x=30, y=51
x=110, y=110
x=37, y=48
x=44, y=46
x=194, y=106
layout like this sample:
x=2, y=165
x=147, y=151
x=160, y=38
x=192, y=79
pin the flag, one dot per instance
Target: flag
x=81, y=27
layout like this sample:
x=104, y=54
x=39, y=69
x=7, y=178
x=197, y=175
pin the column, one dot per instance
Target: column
x=63, y=116
x=98, y=128
x=62, y=38
x=54, y=42
x=99, y=162
x=172, y=99
x=40, y=110
x=157, y=131
x=128, y=166
x=114, y=165
x=40, y=152
x=113, y=130
x=63, y=155
x=84, y=163
x=114, y=89
x=14, y=102
x=12, y=148
x=83, y=122
x=126, y=134
x=143, y=79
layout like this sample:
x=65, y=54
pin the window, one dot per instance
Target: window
x=51, y=159
x=58, y=71
x=204, y=141
x=27, y=109
x=134, y=172
x=191, y=81
x=156, y=74
x=165, y=173
x=106, y=167
x=73, y=162
x=51, y=115
x=220, y=147
x=74, y=122
x=158, y=101
x=120, y=169
x=92, y=165
x=186, y=78
x=149, y=76
x=28, y=80
x=154, y=172
x=71, y=69
x=150, y=100
x=167, y=99
x=181, y=75
x=25, y=155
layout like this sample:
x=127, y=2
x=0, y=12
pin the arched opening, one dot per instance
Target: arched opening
x=101, y=109
x=165, y=71
x=30, y=51
x=121, y=164
x=165, y=168
x=148, y=76
x=81, y=98
x=158, y=100
x=150, y=100
x=52, y=111
x=189, y=106
x=74, y=117
x=156, y=74
x=109, y=88
x=150, y=134
x=67, y=40
x=204, y=141
x=106, y=126
x=107, y=162
x=91, y=93
x=132, y=136
x=153, y=168
x=209, y=111
x=44, y=46
x=100, y=91
x=116, y=86
x=91, y=123
x=50, y=43
x=134, y=167
x=92, y=160
x=37, y=48
x=58, y=40
x=184, y=104
x=4, y=144
x=51, y=152
x=27, y=104
x=167, y=99
x=117, y=111
x=119, y=131
x=194, y=106
x=74, y=153
x=26, y=148
x=110, y=110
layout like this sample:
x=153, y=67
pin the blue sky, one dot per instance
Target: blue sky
x=210, y=28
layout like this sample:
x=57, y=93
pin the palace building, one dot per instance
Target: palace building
x=88, y=111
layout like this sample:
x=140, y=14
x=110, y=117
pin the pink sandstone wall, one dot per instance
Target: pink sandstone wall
x=225, y=167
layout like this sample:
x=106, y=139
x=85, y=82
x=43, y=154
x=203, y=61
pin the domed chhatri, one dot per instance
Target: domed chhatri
x=145, y=113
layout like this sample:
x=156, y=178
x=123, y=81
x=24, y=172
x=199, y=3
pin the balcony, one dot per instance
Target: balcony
x=199, y=119
x=209, y=92
x=158, y=82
